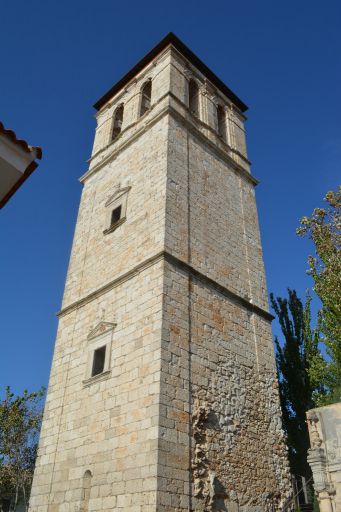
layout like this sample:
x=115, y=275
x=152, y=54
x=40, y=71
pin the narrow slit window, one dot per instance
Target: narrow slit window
x=146, y=93
x=193, y=98
x=86, y=490
x=117, y=123
x=116, y=215
x=221, y=121
x=98, y=361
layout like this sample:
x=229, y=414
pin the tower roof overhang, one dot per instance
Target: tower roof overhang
x=171, y=39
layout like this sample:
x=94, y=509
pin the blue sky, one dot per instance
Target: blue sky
x=58, y=58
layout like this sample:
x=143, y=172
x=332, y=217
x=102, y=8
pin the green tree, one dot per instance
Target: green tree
x=324, y=229
x=295, y=386
x=316, y=363
x=20, y=422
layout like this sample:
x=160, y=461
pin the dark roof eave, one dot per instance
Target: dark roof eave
x=182, y=48
x=31, y=167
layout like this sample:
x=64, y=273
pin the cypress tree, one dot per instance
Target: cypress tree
x=295, y=387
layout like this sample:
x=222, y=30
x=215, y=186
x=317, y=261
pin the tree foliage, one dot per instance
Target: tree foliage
x=20, y=422
x=296, y=388
x=324, y=229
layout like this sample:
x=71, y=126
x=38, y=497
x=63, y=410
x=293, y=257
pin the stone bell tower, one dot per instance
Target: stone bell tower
x=163, y=394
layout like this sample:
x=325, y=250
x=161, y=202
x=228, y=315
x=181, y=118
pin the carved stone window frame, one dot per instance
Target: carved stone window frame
x=119, y=199
x=100, y=336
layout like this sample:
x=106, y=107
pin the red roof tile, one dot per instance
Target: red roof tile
x=10, y=134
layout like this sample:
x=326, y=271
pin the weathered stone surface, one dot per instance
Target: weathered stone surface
x=324, y=456
x=234, y=440
x=185, y=414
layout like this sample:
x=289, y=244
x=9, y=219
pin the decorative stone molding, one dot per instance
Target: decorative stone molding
x=204, y=89
x=110, y=152
x=118, y=200
x=117, y=194
x=100, y=329
x=315, y=439
x=189, y=75
x=100, y=336
x=216, y=100
x=324, y=456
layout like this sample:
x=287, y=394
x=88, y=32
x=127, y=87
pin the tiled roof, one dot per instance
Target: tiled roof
x=11, y=135
x=9, y=185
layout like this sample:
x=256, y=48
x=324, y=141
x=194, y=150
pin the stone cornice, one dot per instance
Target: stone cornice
x=220, y=152
x=213, y=131
x=136, y=81
x=177, y=263
x=175, y=42
x=185, y=107
x=186, y=69
x=223, y=290
x=112, y=284
x=147, y=123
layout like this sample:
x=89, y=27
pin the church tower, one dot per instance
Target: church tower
x=163, y=393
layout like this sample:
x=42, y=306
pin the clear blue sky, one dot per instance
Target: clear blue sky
x=58, y=58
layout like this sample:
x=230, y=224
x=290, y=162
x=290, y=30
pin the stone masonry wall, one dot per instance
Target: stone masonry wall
x=158, y=72
x=96, y=259
x=186, y=414
x=233, y=142
x=110, y=426
x=208, y=202
x=220, y=413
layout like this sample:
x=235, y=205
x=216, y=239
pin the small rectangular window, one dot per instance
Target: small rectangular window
x=116, y=215
x=116, y=210
x=98, y=361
